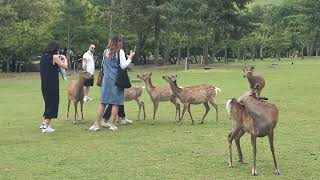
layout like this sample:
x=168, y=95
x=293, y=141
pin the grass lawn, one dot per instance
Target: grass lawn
x=164, y=150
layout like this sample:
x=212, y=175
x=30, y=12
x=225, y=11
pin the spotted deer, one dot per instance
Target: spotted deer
x=76, y=93
x=134, y=93
x=254, y=116
x=159, y=94
x=253, y=79
x=200, y=94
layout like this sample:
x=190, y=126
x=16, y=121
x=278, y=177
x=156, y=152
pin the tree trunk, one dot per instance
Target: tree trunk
x=167, y=50
x=226, y=55
x=157, y=34
x=261, y=53
x=179, y=52
x=317, y=52
x=302, y=53
x=8, y=65
x=205, y=46
x=68, y=47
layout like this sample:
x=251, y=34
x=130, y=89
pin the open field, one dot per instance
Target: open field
x=164, y=150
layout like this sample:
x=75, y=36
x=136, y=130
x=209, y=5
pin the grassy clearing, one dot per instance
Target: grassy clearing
x=165, y=150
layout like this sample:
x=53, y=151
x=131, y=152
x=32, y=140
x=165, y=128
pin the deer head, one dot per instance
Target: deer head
x=145, y=76
x=170, y=79
x=247, y=71
x=84, y=75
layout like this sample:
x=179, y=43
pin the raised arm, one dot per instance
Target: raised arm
x=124, y=63
x=60, y=60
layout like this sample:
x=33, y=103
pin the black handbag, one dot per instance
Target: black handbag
x=122, y=80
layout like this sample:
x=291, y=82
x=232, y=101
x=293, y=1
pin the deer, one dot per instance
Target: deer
x=159, y=94
x=253, y=79
x=76, y=93
x=134, y=93
x=255, y=116
x=194, y=95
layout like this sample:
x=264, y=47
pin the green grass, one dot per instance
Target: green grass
x=165, y=150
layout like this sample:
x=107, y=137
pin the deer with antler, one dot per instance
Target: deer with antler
x=255, y=116
x=200, y=94
x=253, y=79
x=159, y=94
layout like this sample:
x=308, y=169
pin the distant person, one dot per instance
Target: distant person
x=114, y=57
x=88, y=65
x=49, y=65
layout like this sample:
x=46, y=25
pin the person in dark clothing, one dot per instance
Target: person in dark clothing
x=49, y=68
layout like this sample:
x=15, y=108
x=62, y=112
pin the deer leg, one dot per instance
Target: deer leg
x=144, y=111
x=183, y=111
x=81, y=108
x=139, y=104
x=189, y=111
x=237, y=141
x=231, y=136
x=216, y=107
x=254, y=146
x=207, y=110
x=75, y=112
x=69, y=101
x=155, y=108
x=177, y=106
x=276, y=171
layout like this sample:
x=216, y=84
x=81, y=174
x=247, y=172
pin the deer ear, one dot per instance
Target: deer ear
x=252, y=68
x=150, y=73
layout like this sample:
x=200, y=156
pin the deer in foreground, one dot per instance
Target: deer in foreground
x=253, y=79
x=134, y=93
x=76, y=93
x=254, y=116
x=159, y=94
x=194, y=95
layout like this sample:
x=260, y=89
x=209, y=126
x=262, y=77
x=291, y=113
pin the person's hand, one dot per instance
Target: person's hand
x=132, y=53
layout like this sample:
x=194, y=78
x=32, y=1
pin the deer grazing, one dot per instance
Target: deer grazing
x=76, y=93
x=134, y=93
x=194, y=95
x=159, y=94
x=255, y=116
x=253, y=79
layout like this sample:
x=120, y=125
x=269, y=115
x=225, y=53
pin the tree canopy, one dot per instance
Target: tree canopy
x=163, y=31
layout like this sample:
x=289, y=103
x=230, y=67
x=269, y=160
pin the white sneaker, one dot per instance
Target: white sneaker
x=85, y=99
x=113, y=127
x=125, y=121
x=94, y=128
x=47, y=130
x=41, y=126
x=89, y=98
x=105, y=124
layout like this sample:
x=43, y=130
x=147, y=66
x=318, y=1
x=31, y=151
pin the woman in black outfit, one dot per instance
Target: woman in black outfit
x=49, y=65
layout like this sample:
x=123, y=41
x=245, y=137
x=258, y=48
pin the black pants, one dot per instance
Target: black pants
x=107, y=112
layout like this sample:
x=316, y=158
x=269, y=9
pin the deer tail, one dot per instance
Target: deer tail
x=217, y=90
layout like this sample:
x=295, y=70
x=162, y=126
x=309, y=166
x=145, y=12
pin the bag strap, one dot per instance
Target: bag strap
x=119, y=59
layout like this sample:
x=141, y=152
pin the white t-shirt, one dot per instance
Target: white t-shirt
x=90, y=62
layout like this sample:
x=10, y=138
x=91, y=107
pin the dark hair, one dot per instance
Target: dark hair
x=52, y=48
x=115, y=44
